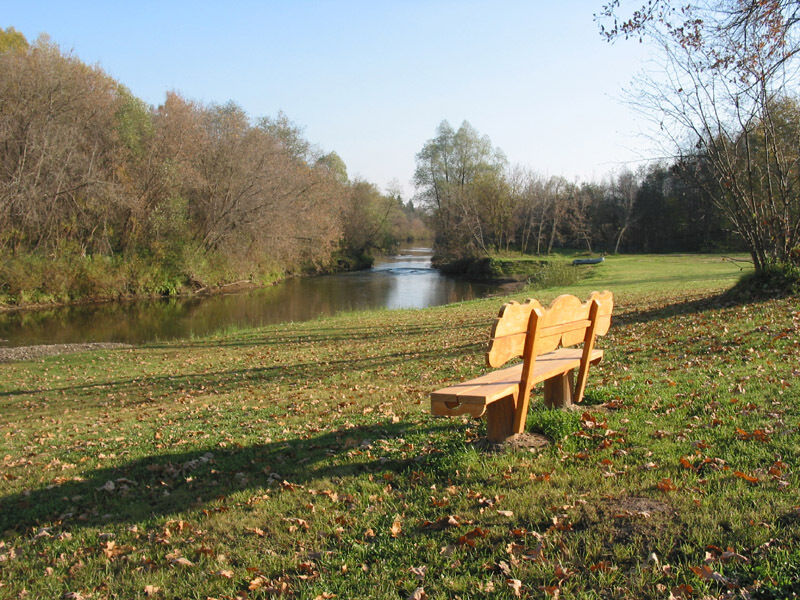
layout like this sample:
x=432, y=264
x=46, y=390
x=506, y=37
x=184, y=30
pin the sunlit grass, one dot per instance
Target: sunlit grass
x=301, y=458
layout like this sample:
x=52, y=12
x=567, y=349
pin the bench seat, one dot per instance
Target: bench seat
x=472, y=397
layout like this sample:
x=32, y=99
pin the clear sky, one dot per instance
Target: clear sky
x=372, y=79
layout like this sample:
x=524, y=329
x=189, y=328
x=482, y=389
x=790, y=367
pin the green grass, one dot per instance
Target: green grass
x=302, y=459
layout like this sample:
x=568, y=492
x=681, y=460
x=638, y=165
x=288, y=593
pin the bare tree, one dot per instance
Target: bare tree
x=724, y=101
x=624, y=192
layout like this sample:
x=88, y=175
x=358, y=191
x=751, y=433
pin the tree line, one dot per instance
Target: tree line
x=481, y=205
x=102, y=195
x=726, y=104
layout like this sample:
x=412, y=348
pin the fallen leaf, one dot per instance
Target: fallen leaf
x=706, y=572
x=256, y=583
x=516, y=586
x=468, y=538
x=746, y=477
x=108, y=486
x=397, y=527
x=681, y=592
x=418, y=594
x=666, y=485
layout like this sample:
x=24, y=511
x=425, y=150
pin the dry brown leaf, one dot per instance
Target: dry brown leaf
x=706, y=572
x=729, y=555
x=396, y=528
x=418, y=594
x=516, y=587
x=151, y=590
x=746, y=477
x=666, y=485
x=551, y=590
x=681, y=592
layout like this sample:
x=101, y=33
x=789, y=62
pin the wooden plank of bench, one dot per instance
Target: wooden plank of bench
x=472, y=396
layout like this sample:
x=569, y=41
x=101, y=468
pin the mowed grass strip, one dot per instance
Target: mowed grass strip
x=300, y=459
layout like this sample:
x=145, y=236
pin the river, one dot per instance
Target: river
x=403, y=281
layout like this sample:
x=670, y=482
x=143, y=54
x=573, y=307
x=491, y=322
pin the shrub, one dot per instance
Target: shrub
x=781, y=279
x=554, y=274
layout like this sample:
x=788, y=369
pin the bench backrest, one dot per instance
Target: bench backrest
x=563, y=323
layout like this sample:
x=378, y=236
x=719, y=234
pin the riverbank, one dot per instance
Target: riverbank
x=30, y=282
x=403, y=281
x=301, y=459
x=539, y=271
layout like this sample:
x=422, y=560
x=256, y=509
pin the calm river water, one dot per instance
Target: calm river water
x=403, y=281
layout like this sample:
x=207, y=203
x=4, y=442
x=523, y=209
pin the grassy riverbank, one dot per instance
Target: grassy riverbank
x=541, y=271
x=301, y=459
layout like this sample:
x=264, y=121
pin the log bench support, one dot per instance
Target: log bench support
x=542, y=338
x=500, y=418
x=558, y=391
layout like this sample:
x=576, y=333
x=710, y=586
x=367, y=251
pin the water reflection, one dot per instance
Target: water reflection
x=403, y=281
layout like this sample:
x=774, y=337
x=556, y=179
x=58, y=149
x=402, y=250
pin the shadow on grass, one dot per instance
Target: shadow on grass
x=736, y=296
x=322, y=335
x=168, y=484
x=225, y=381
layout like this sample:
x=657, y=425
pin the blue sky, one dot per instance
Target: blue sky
x=372, y=79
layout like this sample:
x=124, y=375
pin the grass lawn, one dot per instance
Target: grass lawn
x=301, y=460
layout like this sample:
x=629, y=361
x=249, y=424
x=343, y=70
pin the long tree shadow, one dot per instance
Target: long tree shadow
x=727, y=299
x=232, y=379
x=321, y=335
x=168, y=484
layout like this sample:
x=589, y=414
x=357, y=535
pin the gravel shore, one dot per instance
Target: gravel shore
x=31, y=352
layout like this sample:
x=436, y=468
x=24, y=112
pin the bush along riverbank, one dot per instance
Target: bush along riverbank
x=536, y=271
x=32, y=280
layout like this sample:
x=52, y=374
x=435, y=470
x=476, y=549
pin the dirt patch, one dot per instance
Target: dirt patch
x=32, y=352
x=518, y=441
x=631, y=519
x=636, y=506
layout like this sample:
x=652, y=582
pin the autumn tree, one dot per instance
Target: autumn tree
x=58, y=140
x=455, y=174
x=125, y=198
x=12, y=40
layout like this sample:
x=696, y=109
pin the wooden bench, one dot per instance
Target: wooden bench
x=542, y=337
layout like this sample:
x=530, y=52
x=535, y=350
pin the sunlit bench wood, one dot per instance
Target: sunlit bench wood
x=542, y=337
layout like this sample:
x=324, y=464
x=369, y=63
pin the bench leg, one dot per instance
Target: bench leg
x=558, y=391
x=500, y=419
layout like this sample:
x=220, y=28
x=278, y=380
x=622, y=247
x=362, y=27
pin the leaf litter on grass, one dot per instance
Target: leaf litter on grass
x=325, y=477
